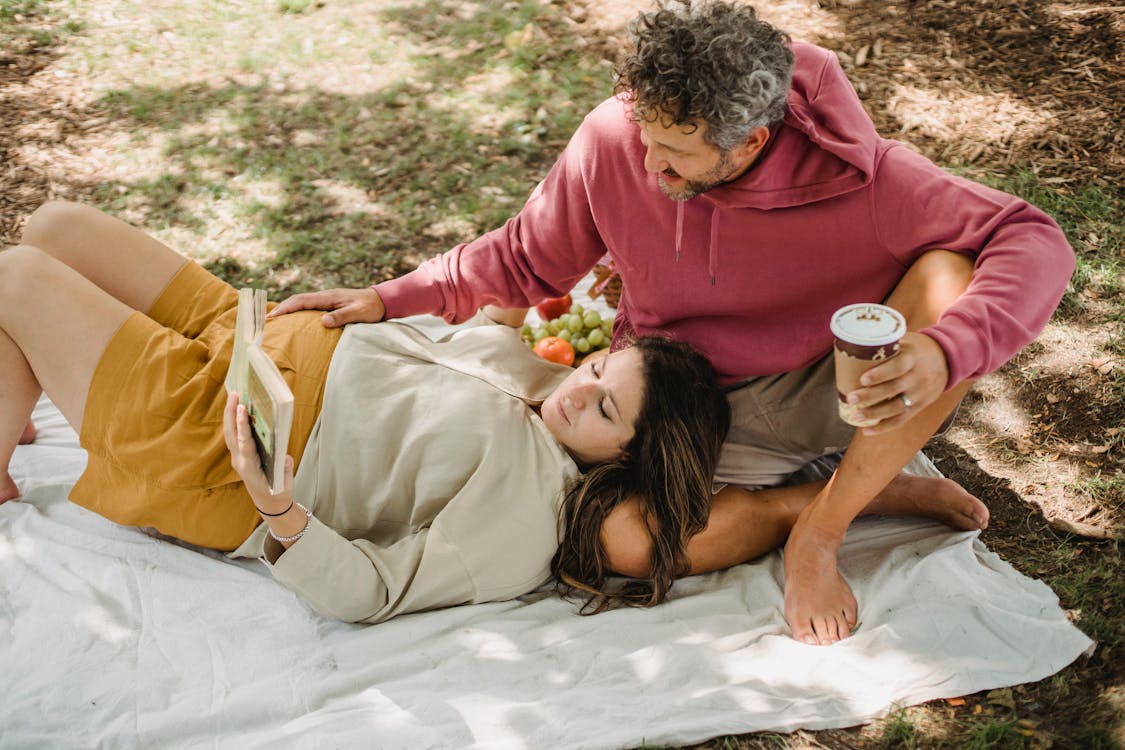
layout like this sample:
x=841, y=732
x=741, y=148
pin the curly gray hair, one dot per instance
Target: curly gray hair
x=708, y=61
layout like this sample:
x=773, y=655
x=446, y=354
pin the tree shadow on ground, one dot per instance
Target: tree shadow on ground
x=339, y=189
x=1061, y=59
x=28, y=45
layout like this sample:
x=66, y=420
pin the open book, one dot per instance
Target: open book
x=260, y=387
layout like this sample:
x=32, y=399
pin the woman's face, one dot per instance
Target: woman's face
x=593, y=413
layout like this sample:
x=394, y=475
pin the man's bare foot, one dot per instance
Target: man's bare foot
x=29, y=433
x=8, y=488
x=819, y=604
x=930, y=497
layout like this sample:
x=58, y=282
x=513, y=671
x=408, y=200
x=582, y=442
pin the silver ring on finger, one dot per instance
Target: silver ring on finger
x=906, y=400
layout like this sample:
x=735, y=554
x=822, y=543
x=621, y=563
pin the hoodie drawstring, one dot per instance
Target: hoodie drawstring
x=712, y=251
x=679, y=227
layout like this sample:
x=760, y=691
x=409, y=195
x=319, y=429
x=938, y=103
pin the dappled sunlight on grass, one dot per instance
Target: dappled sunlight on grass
x=337, y=146
x=342, y=48
x=986, y=119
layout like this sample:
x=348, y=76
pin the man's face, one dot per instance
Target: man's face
x=685, y=164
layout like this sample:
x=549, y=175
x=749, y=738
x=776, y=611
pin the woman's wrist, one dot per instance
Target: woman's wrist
x=270, y=505
x=275, y=515
x=291, y=526
x=286, y=520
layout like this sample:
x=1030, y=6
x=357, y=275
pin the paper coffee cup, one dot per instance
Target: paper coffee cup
x=866, y=335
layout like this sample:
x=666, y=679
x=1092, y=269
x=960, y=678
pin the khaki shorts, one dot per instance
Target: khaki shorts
x=785, y=424
x=153, y=420
x=780, y=423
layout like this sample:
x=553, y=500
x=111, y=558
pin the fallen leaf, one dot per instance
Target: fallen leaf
x=1002, y=697
x=955, y=701
x=1104, y=365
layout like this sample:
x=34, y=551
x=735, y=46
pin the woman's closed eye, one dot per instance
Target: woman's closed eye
x=601, y=401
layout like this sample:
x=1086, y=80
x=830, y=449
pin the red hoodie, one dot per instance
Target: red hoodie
x=750, y=272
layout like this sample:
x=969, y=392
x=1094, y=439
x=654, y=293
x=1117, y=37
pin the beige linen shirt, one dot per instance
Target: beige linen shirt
x=431, y=481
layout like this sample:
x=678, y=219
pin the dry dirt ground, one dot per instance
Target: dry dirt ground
x=980, y=86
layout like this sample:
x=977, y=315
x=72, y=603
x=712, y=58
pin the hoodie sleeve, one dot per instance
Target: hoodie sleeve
x=1023, y=261
x=541, y=252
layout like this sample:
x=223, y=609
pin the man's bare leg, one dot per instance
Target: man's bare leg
x=54, y=327
x=819, y=605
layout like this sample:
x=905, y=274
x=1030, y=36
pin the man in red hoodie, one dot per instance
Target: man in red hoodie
x=744, y=195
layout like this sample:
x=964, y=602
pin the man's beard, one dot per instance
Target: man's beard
x=718, y=175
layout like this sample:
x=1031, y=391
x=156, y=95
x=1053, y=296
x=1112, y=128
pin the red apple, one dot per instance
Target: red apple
x=549, y=309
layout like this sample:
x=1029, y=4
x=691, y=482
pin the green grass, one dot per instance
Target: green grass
x=342, y=188
x=897, y=732
x=1089, y=581
x=1093, y=218
x=994, y=735
x=32, y=23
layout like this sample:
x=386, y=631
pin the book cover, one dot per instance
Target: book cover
x=260, y=387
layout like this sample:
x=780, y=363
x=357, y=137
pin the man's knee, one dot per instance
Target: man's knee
x=931, y=285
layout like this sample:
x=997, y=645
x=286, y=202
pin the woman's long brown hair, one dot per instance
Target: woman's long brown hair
x=668, y=467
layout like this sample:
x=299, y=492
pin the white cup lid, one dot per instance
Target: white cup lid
x=868, y=324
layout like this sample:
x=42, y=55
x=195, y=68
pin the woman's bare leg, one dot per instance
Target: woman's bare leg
x=19, y=390
x=54, y=327
x=121, y=259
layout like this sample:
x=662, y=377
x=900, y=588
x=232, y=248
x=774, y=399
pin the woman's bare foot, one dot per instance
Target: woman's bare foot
x=931, y=497
x=8, y=488
x=28, y=435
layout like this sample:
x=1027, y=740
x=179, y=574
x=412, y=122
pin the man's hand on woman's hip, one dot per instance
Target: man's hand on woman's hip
x=342, y=306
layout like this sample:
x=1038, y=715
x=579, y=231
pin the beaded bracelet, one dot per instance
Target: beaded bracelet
x=299, y=534
x=274, y=515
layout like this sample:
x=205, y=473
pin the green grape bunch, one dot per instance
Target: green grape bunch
x=586, y=330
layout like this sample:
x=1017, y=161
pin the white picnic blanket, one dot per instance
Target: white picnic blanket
x=111, y=638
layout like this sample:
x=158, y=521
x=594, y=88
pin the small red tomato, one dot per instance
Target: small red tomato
x=549, y=309
x=554, y=349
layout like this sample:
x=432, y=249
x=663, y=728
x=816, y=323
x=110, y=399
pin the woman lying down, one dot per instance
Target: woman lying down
x=430, y=474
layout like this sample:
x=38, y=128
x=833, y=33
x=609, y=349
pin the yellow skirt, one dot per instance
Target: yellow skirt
x=153, y=423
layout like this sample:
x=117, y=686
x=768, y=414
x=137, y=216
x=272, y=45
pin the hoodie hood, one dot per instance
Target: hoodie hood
x=826, y=145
